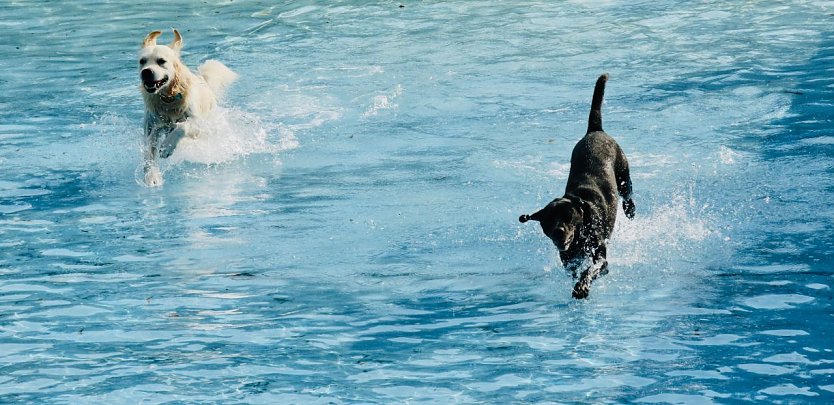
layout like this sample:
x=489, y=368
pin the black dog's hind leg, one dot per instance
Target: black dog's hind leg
x=623, y=178
x=601, y=261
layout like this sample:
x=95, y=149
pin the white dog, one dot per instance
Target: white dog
x=174, y=98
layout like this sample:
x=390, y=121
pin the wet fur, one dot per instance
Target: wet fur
x=580, y=222
x=173, y=108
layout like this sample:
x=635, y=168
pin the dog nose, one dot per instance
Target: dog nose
x=146, y=75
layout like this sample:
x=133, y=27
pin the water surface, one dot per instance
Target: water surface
x=349, y=234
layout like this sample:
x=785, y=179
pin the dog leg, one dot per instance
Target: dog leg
x=173, y=137
x=601, y=261
x=169, y=142
x=153, y=177
x=598, y=267
x=571, y=263
x=623, y=178
x=583, y=287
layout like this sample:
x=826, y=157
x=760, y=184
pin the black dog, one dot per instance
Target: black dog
x=580, y=223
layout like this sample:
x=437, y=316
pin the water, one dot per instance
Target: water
x=348, y=232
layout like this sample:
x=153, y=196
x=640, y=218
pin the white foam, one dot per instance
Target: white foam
x=226, y=136
x=675, y=226
x=384, y=101
x=727, y=155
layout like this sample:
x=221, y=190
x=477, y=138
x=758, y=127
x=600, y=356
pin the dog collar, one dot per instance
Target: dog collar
x=170, y=99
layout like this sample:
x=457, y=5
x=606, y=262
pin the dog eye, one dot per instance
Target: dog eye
x=160, y=61
x=143, y=61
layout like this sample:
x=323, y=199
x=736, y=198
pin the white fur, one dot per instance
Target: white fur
x=175, y=98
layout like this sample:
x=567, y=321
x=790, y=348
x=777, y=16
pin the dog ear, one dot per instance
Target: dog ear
x=535, y=217
x=577, y=203
x=177, y=44
x=181, y=81
x=150, y=40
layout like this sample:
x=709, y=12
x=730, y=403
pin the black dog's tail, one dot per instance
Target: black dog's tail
x=595, y=119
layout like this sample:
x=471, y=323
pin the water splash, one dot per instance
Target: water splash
x=227, y=135
x=384, y=101
x=679, y=229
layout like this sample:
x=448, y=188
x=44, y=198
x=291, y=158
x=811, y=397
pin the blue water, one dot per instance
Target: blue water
x=348, y=232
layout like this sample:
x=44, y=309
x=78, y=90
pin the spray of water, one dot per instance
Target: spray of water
x=674, y=228
x=227, y=135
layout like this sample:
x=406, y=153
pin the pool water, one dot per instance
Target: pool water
x=347, y=230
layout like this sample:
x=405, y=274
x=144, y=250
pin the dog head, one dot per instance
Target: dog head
x=560, y=220
x=158, y=64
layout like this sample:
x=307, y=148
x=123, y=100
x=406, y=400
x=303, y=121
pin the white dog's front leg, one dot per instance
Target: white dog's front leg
x=169, y=143
x=153, y=176
x=173, y=138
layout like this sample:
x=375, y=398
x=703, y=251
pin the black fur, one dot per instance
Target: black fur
x=580, y=222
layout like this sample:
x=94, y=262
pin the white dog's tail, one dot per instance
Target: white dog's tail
x=218, y=76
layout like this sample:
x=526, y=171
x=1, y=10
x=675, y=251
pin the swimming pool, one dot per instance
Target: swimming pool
x=349, y=234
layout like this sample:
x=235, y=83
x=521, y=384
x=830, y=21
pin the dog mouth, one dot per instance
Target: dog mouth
x=154, y=85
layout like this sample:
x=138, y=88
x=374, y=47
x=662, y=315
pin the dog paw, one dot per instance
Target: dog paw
x=165, y=151
x=629, y=208
x=153, y=177
x=167, y=146
x=581, y=290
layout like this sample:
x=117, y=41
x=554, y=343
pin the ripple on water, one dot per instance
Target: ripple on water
x=689, y=399
x=602, y=382
x=61, y=252
x=766, y=369
x=788, y=389
x=346, y=231
x=776, y=301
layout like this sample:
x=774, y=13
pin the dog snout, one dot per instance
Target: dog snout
x=146, y=75
x=561, y=239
